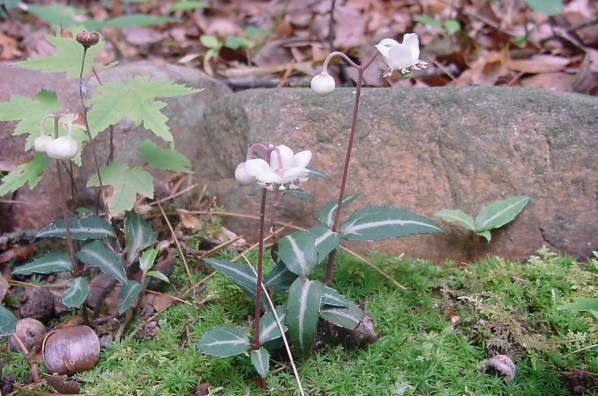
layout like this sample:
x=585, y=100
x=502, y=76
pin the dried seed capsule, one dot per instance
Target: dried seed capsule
x=71, y=350
x=87, y=39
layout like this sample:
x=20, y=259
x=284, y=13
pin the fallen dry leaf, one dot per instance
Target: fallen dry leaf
x=539, y=64
x=558, y=81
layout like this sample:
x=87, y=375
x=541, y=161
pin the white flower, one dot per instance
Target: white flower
x=63, y=147
x=285, y=170
x=40, y=143
x=323, y=83
x=403, y=57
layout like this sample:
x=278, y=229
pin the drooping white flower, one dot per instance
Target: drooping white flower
x=63, y=147
x=284, y=171
x=323, y=83
x=403, y=57
x=40, y=143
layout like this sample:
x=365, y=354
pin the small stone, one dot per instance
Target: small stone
x=37, y=303
x=30, y=331
x=501, y=365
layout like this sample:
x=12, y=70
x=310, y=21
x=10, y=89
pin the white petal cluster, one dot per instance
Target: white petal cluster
x=403, y=57
x=323, y=83
x=63, y=147
x=286, y=170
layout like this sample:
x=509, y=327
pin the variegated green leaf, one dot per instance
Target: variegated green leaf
x=325, y=240
x=303, y=309
x=261, y=361
x=297, y=251
x=128, y=294
x=279, y=278
x=224, y=342
x=8, y=322
x=239, y=273
x=332, y=298
x=378, y=222
x=328, y=211
x=456, y=216
x=269, y=328
x=99, y=255
x=499, y=213
x=348, y=317
x=92, y=227
x=147, y=259
x=138, y=234
x=76, y=293
x=48, y=264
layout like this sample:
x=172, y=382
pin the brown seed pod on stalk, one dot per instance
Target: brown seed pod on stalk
x=70, y=350
x=87, y=39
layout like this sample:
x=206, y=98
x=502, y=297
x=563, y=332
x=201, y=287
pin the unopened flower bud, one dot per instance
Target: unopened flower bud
x=323, y=84
x=64, y=148
x=87, y=39
x=242, y=176
x=41, y=142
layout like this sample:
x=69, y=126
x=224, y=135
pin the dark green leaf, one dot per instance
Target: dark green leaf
x=316, y=173
x=48, y=264
x=8, y=322
x=224, y=342
x=325, y=240
x=92, y=227
x=328, y=211
x=138, y=235
x=303, y=309
x=239, y=273
x=299, y=194
x=499, y=213
x=378, y=222
x=297, y=251
x=161, y=158
x=147, y=259
x=347, y=318
x=128, y=294
x=99, y=255
x=280, y=278
x=456, y=216
x=333, y=298
x=76, y=293
x=261, y=361
x=269, y=328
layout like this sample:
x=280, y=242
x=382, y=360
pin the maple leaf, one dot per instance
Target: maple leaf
x=135, y=100
x=30, y=172
x=126, y=182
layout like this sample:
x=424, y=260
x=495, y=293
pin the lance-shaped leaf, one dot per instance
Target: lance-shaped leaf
x=303, y=309
x=582, y=305
x=138, y=234
x=161, y=158
x=325, y=240
x=348, y=317
x=76, y=293
x=99, y=255
x=280, y=278
x=269, y=328
x=456, y=216
x=260, y=359
x=298, y=252
x=375, y=223
x=92, y=227
x=332, y=298
x=328, y=211
x=299, y=194
x=499, y=213
x=28, y=173
x=147, y=260
x=48, y=264
x=239, y=273
x=224, y=342
x=8, y=322
x=128, y=293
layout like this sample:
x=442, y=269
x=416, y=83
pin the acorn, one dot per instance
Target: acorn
x=87, y=39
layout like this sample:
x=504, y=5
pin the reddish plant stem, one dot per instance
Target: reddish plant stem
x=260, y=257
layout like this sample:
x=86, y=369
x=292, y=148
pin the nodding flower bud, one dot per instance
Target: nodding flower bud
x=63, y=148
x=41, y=142
x=87, y=39
x=323, y=83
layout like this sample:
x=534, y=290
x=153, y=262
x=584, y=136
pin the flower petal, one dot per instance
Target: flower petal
x=301, y=159
x=412, y=42
x=287, y=157
x=385, y=45
x=255, y=167
x=293, y=174
x=269, y=176
x=400, y=57
x=242, y=176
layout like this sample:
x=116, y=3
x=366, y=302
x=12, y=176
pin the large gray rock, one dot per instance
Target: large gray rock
x=184, y=113
x=424, y=150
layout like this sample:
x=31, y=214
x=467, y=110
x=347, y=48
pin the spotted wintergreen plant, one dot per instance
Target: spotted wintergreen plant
x=491, y=217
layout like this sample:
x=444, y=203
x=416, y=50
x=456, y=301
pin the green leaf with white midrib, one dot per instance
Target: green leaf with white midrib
x=331, y=297
x=224, y=342
x=303, y=308
x=147, y=260
x=379, y=222
x=328, y=211
x=325, y=240
x=348, y=317
x=48, y=264
x=456, y=216
x=76, y=293
x=8, y=322
x=97, y=254
x=297, y=252
x=269, y=328
x=261, y=361
x=128, y=293
x=499, y=213
x=239, y=273
x=92, y=227
x=280, y=278
x=138, y=234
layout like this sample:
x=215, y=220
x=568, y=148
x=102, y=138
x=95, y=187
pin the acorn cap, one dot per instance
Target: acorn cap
x=87, y=39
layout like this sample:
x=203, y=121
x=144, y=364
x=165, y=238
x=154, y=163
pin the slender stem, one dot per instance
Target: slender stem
x=342, y=55
x=88, y=133
x=34, y=370
x=260, y=257
x=341, y=194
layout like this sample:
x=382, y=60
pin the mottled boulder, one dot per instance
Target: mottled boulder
x=424, y=150
x=184, y=113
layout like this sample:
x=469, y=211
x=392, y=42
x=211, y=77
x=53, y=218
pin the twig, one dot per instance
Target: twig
x=32, y=364
x=175, y=195
x=582, y=25
x=176, y=241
